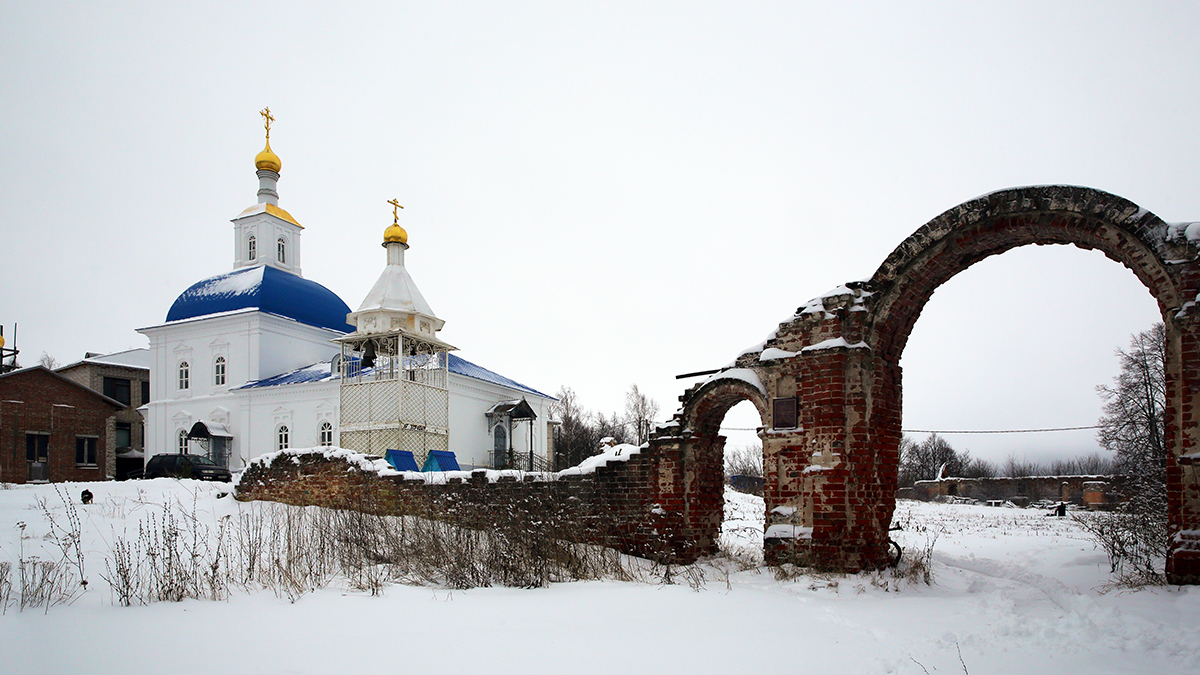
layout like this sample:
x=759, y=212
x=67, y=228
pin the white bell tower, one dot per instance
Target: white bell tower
x=265, y=234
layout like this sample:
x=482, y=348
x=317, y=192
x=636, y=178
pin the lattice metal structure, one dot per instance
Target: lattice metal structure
x=394, y=394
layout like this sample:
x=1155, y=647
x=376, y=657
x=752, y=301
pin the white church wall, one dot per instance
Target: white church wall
x=470, y=399
x=255, y=345
x=301, y=407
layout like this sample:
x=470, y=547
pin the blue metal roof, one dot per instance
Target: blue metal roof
x=268, y=290
x=402, y=460
x=468, y=369
x=319, y=372
x=440, y=460
x=316, y=372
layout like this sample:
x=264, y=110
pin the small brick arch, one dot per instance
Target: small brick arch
x=705, y=406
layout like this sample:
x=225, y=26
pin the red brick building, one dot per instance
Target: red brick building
x=53, y=429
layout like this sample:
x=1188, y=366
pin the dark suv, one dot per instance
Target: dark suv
x=185, y=466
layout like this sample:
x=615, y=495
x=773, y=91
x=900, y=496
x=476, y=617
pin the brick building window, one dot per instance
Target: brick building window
x=37, y=457
x=124, y=435
x=326, y=433
x=145, y=392
x=219, y=371
x=85, y=451
x=37, y=447
x=282, y=438
x=185, y=375
x=251, y=248
x=117, y=388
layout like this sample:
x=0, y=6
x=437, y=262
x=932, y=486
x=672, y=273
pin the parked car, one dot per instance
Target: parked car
x=185, y=466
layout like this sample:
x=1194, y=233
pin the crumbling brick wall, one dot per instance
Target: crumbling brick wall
x=617, y=505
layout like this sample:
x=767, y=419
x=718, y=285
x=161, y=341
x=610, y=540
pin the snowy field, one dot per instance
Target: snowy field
x=1013, y=592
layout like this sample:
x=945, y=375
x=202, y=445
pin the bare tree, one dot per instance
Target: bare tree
x=640, y=411
x=575, y=438
x=47, y=361
x=1132, y=424
x=744, y=460
x=1132, y=428
x=925, y=460
x=611, y=427
x=1020, y=468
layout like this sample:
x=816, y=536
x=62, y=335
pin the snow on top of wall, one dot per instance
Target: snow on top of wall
x=835, y=343
x=615, y=453
x=355, y=459
x=774, y=354
x=379, y=466
x=752, y=349
x=743, y=374
x=1183, y=232
x=784, y=531
x=817, y=304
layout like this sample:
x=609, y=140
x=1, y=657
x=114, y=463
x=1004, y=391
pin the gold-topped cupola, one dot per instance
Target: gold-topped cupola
x=264, y=233
x=267, y=160
x=394, y=234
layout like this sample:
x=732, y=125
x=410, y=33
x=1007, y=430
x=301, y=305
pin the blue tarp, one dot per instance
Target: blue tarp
x=402, y=460
x=440, y=460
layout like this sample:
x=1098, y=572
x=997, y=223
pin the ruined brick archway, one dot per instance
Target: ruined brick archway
x=831, y=479
x=830, y=466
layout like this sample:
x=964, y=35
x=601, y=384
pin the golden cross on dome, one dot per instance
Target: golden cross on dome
x=395, y=214
x=267, y=119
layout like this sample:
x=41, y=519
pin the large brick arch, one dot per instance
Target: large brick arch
x=830, y=481
x=1083, y=217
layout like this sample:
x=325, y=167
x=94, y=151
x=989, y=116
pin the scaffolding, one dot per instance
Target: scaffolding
x=394, y=394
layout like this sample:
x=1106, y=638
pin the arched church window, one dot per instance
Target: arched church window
x=499, y=447
x=281, y=245
x=185, y=375
x=219, y=371
x=282, y=438
x=326, y=433
x=182, y=444
x=251, y=248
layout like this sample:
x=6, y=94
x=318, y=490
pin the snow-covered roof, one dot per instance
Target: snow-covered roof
x=396, y=291
x=130, y=358
x=316, y=372
x=321, y=372
x=467, y=369
x=266, y=289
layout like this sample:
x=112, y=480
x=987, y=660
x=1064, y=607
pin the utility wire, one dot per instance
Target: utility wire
x=938, y=431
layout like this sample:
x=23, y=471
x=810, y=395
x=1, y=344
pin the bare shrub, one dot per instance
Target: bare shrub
x=5, y=586
x=916, y=566
x=1134, y=542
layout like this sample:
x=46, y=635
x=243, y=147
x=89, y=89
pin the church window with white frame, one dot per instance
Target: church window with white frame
x=219, y=371
x=185, y=375
x=281, y=246
x=326, y=438
x=251, y=248
x=281, y=438
x=182, y=445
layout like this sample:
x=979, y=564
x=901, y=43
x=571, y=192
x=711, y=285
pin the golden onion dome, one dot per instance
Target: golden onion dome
x=394, y=233
x=267, y=160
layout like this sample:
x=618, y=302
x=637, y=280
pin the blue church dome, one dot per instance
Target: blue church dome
x=266, y=289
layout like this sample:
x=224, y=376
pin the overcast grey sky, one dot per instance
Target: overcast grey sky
x=599, y=194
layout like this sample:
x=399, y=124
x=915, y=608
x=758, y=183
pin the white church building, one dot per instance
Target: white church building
x=260, y=359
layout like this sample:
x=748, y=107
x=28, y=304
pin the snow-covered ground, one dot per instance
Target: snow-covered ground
x=1013, y=592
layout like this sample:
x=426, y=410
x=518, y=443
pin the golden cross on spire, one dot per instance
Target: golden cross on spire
x=395, y=214
x=267, y=119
